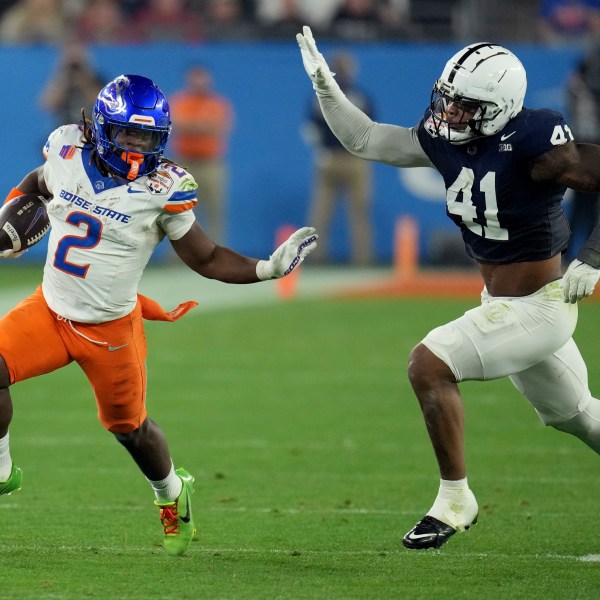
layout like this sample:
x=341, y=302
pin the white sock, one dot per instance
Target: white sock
x=167, y=489
x=455, y=504
x=449, y=487
x=5, y=459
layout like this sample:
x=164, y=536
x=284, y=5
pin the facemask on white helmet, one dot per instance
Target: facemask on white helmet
x=481, y=88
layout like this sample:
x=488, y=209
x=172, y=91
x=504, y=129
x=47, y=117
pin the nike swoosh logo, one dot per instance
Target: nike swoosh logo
x=36, y=218
x=132, y=191
x=506, y=136
x=113, y=348
x=186, y=518
x=418, y=536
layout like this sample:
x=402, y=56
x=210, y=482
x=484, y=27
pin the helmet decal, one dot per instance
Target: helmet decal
x=112, y=95
x=469, y=50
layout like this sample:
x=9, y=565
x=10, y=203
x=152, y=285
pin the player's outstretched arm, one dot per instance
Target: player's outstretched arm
x=210, y=260
x=356, y=131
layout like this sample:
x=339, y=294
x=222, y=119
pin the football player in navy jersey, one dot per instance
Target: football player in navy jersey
x=505, y=170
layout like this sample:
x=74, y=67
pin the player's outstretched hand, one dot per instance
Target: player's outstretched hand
x=315, y=64
x=289, y=255
x=579, y=281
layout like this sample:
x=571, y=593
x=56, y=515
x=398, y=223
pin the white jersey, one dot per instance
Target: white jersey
x=103, y=231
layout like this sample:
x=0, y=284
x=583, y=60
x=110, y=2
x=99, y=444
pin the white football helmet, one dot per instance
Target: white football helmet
x=485, y=81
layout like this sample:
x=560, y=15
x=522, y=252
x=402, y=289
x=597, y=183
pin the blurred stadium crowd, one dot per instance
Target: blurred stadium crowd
x=196, y=21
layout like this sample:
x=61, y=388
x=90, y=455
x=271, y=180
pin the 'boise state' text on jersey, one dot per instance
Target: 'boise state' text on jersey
x=503, y=214
x=105, y=230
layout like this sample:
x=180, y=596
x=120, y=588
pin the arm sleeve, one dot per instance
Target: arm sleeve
x=389, y=144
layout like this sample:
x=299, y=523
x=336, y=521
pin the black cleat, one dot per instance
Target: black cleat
x=429, y=532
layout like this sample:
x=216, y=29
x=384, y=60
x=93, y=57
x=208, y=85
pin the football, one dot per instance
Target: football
x=23, y=222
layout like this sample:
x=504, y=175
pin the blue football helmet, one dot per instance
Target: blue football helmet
x=131, y=125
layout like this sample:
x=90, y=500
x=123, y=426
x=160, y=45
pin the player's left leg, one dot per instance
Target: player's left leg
x=558, y=389
x=115, y=367
x=173, y=488
x=30, y=325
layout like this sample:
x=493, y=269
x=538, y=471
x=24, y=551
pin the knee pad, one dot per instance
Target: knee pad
x=585, y=425
x=584, y=422
x=454, y=347
x=558, y=416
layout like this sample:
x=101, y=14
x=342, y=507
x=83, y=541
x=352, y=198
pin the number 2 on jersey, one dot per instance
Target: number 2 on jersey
x=87, y=241
x=466, y=209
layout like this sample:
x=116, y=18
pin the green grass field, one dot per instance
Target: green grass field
x=311, y=461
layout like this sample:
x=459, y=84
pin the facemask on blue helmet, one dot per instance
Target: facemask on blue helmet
x=131, y=125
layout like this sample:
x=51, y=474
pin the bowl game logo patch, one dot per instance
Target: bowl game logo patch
x=160, y=182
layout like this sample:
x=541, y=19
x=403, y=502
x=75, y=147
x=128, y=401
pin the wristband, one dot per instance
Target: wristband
x=263, y=270
x=14, y=193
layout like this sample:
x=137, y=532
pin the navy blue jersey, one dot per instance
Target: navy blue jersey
x=504, y=216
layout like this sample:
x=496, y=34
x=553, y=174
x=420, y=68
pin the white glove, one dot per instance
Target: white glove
x=314, y=62
x=289, y=255
x=11, y=253
x=579, y=281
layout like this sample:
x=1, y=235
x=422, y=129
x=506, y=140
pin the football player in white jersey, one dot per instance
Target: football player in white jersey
x=111, y=198
x=505, y=169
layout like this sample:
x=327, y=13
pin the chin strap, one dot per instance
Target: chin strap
x=134, y=159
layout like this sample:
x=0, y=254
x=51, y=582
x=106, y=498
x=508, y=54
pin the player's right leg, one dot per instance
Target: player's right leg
x=455, y=508
x=30, y=345
x=10, y=475
x=557, y=387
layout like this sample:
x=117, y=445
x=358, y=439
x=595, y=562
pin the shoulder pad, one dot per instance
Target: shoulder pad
x=63, y=141
x=537, y=131
x=177, y=186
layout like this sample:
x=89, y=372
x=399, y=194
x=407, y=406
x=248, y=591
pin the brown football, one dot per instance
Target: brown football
x=23, y=222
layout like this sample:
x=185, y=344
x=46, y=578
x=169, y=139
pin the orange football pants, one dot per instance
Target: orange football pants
x=35, y=340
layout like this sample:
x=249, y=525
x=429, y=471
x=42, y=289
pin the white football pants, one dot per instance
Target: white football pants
x=528, y=339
